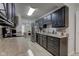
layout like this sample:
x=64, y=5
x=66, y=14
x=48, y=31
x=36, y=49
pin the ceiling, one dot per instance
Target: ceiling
x=41, y=9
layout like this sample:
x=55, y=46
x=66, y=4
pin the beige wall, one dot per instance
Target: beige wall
x=23, y=21
x=71, y=29
x=77, y=30
x=27, y=23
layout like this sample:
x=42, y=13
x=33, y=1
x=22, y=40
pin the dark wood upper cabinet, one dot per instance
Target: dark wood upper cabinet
x=40, y=22
x=47, y=19
x=54, y=18
x=60, y=17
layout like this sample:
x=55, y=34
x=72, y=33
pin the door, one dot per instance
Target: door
x=44, y=42
x=77, y=32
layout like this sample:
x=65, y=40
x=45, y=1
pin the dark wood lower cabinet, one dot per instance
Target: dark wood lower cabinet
x=39, y=39
x=44, y=41
x=53, y=45
x=64, y=46
x=56, y=46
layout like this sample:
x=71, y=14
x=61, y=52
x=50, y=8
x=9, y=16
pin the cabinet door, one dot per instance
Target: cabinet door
x=44, y=42
x=61, y=20
x=41, y=22
x=58, y=18
x=45, y=18
x=53, y=45
x=37, y=38
x=48, y=20
x=54, y=19
x=40, y=39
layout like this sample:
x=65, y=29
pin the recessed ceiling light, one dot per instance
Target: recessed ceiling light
x=31, y=11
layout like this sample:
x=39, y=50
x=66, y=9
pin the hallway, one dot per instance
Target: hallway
x=20, y=46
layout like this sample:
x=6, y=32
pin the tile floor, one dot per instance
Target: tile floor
x=20, y=46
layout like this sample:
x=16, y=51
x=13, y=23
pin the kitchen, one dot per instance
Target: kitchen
x=51, y=31
x=50, y=26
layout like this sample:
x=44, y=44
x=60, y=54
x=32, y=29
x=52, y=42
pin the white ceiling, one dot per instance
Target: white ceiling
x=41, y=9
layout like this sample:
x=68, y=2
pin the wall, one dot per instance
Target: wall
x=26, y=23
x=18, y=28
x=22, y=20
x=77, y=30
x=71, y=29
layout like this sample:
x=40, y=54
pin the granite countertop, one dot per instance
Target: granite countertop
x=53, y=35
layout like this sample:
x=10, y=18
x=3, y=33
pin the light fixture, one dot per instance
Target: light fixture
x=31, y=11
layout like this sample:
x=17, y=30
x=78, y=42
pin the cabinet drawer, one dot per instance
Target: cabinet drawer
x=54, y=51
x=53, y=42
x=44, y=44
x=53, y=47
x=44, y=37
x=53, y=39
x=40, y=41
